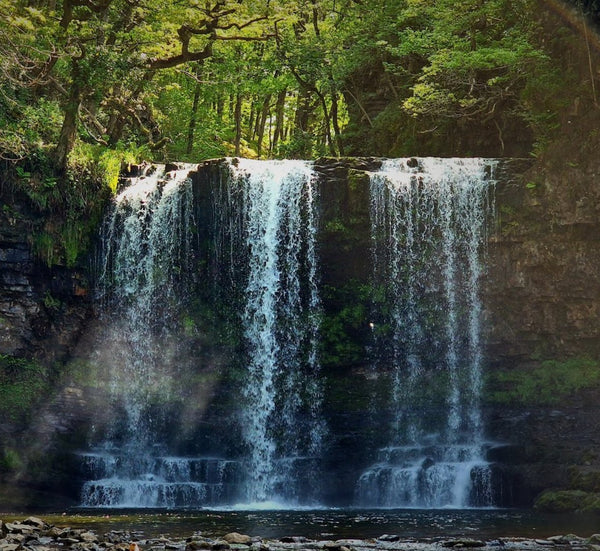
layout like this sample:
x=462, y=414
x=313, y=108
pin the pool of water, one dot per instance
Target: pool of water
x=333, y=523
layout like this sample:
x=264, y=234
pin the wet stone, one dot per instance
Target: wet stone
x=237, y=538
x=198, y=544
x=220, y=545
x=389, y=537
x=88, y=537
x=463, y=543
x=18, y=528
x=35, y=522
x=68, y=540
x=55, y=532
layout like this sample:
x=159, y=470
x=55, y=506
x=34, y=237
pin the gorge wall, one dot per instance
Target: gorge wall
x=541, y=299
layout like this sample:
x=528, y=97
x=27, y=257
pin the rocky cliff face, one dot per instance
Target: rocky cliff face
x=543, y=311
x=42, y=310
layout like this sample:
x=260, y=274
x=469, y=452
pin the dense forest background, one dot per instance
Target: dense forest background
x=87, y=85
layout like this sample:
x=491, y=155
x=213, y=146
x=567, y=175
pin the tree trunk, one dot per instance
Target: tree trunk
x=279, y=119
x=263, y=121
x=192, y=125
x=302, y=114
x=238, y=123
x=326, y=124
x=68, y=132
x=251, y=119
x=336, y=123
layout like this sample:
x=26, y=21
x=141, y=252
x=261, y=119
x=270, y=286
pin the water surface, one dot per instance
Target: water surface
x=335, y=524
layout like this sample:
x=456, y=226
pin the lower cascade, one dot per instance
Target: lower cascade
x=212, y=295
x=428, y=221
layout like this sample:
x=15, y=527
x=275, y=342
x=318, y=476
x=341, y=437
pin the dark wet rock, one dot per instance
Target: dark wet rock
x=388, y=537
x=19, y=528
x=118, y=536
x=463, y=543
x=67, y=541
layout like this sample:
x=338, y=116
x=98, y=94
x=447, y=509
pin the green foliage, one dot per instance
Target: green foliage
x=546, y=384
x=23, y=384
x=189, y=81
x=50, y=302
x=344, y=331
x=568, y=501
x=10, y=461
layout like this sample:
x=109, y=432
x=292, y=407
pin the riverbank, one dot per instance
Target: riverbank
x=36, y=534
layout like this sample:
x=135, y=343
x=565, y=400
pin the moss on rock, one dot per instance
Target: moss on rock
x=568, y=501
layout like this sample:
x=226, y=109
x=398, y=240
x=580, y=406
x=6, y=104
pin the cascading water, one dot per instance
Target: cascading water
x=264, y=248
x=428, y=220
x=144, y=270
x=267, y=218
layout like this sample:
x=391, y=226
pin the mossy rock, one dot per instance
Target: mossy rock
x=560, y=501
x=568, y=501
x=585, y=478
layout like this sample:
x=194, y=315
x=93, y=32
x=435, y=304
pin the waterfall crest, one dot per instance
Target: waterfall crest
x=428, y=222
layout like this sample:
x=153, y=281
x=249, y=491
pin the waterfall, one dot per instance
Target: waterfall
x=208, y=344
x=143, y=282
x=428, y=222
x=271, y=225
x=263, y=245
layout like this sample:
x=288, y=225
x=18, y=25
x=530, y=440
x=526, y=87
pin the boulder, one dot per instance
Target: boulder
x=235, y=537
x=36, y=523
x=194, y=545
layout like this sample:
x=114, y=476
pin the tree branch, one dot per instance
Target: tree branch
x=183, y=57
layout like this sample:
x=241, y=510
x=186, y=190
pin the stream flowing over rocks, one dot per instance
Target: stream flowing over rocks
x=34, y=534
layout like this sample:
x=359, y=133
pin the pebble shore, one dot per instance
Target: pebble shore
x=34, y=534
